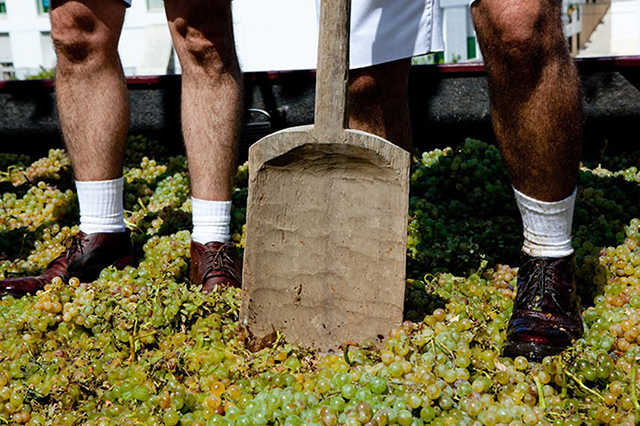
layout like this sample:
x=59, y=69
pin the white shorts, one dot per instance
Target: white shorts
x=386, y=30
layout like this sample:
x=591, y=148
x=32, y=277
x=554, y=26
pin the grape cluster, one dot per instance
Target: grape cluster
x=54, y=167
x=9, y=161
x=138, y=147
x=462, y=211
x=239, y=205
x=28, y=225
x=142, y=346
x=40, y=204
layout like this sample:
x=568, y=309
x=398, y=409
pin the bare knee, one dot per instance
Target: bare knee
x=380, y=84
x=364, y=88
x=205, y=41
x=517, y=30
x=80, y=37
x=378, y=101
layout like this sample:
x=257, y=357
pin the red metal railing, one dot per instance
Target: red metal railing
x=630, y=65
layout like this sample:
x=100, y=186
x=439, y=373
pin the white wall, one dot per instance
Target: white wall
x=5, y=48
x=281, y=36
x=270, y=34
x=455, y=40
x=625, y=27
x=141, y=28
x=618, y=34
x=25, y=27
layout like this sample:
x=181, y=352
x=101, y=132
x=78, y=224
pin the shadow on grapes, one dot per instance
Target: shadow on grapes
x=18, y=243
x=463, y=212
x=612, y=158
x=19, y=182
x=19, y=190
x=10, y=160
x=53, y=171
x=166, y=221
x=138, y=147
x=420, y=301
x=9, y=163
x=604, y=207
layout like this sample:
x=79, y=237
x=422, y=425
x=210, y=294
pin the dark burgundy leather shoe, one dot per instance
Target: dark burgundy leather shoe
x=84, y=258
x=546, y=318
x=215, y=264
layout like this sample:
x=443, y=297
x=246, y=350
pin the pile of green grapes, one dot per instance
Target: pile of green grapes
x=140, y=346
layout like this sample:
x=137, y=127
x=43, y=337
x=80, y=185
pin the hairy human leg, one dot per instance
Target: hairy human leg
x=535, y=94
x=537, y=118
x=91, y=92
x=202, y=33
x=378, y=101
x=92, y=106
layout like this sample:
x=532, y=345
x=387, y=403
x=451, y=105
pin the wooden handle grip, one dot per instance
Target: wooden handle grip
x=332, y=78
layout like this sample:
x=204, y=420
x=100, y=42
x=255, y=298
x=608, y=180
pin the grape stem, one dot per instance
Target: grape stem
x=128, y=223
x=634, y=391
x=451, y=354
x=132, y=341
x=346, y=351
x=144, y=208
x=583, y=386
x=563, y=394
x=541, y=400
x=6, y=176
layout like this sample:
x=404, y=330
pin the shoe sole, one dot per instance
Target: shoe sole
x=531, y=351
x=17, y=292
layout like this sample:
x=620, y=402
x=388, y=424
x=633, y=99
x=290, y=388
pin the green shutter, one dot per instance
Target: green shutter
x=471, y=48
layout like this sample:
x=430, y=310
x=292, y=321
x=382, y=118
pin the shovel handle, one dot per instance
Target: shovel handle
x=332, y=77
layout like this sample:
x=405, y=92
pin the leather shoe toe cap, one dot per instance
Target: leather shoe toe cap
x=20, y=286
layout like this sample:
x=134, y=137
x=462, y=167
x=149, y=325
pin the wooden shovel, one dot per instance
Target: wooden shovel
x=327, y=219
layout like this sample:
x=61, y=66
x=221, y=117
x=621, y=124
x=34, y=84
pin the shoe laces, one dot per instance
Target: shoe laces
x=221, y=260
x=74, y=244
x=537, y=284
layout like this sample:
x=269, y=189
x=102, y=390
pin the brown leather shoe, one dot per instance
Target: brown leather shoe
x=84, y=258
x=214, y=264
x=545, y=317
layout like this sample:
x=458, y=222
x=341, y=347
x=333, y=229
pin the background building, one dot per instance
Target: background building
x=265, y=37
x=617, y=33
x=277, y=34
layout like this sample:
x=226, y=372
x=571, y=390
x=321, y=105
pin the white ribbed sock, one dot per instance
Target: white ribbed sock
x=101, y=208
x=546, y=225
x=210, y=220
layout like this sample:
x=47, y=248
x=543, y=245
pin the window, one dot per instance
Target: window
x=471, y=48
x=155, y=5
x=48, y=54
x=43, y=6
x=6, y=71
x=6, y=59
x=5, y=48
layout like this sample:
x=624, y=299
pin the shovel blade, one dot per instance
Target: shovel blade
x=326, y=239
